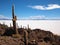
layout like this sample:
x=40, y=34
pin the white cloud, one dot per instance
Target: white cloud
x=49, y=7
x=52, y=18
x=3, y=17
x=38, y=17
x=34, y=17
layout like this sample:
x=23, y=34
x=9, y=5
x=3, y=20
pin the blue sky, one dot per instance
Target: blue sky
x=30, y=9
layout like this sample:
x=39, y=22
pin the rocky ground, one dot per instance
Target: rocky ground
x=7, y=40
x=33, y=36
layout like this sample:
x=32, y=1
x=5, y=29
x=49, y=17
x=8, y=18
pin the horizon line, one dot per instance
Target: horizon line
x=31, y=19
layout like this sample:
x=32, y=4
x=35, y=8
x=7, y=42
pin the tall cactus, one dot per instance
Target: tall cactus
x=14, y=20
x=25, y=37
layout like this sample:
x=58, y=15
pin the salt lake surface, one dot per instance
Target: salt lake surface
x=48, y=25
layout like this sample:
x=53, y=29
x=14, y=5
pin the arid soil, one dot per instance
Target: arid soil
x=32, y=36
